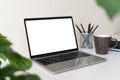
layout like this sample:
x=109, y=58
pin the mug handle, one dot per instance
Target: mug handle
x=113, y=39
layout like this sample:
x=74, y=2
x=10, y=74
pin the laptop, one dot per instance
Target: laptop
x=53, y=44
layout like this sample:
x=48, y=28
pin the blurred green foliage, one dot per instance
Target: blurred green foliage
x=112, y=7
x=16, y=63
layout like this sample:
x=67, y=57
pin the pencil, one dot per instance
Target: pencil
x=95, y=29
x=83, y=28
x=78, y=28
x=89, y=27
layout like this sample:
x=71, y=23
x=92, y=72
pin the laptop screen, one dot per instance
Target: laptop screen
x=49, y=35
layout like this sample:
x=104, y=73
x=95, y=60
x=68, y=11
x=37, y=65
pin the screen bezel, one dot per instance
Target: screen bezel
x=51, y=53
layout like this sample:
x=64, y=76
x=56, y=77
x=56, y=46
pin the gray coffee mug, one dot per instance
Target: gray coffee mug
x=102, y=43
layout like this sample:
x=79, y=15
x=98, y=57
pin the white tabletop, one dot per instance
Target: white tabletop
x=109, y=70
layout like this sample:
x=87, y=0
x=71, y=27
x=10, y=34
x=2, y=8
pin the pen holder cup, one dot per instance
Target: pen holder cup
x=86, y=40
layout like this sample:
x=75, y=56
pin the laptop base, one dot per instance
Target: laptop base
x=78, y=62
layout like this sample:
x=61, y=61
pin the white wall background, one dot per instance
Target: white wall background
x=12, y=13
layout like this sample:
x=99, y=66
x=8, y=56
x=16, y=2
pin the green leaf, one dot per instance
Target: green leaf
x=7, y=71
x=4, y=41
x=27, y=77
x=19, y=61
x=15, y=59
x=0, y=62
x=3, y=56
x=112, y=7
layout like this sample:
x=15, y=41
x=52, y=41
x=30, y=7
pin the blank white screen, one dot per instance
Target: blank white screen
x=50, y=35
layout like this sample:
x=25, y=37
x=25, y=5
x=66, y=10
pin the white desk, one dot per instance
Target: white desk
x=109, y=70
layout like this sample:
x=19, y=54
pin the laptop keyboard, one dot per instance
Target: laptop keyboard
x=62, y=57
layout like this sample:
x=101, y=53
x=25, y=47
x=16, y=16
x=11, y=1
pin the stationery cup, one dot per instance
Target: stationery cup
x=102, y=43
x=86, y=40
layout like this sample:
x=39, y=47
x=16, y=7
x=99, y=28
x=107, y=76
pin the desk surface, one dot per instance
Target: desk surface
x=109, y=70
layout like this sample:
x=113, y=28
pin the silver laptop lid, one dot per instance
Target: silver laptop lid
x=51, y=35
